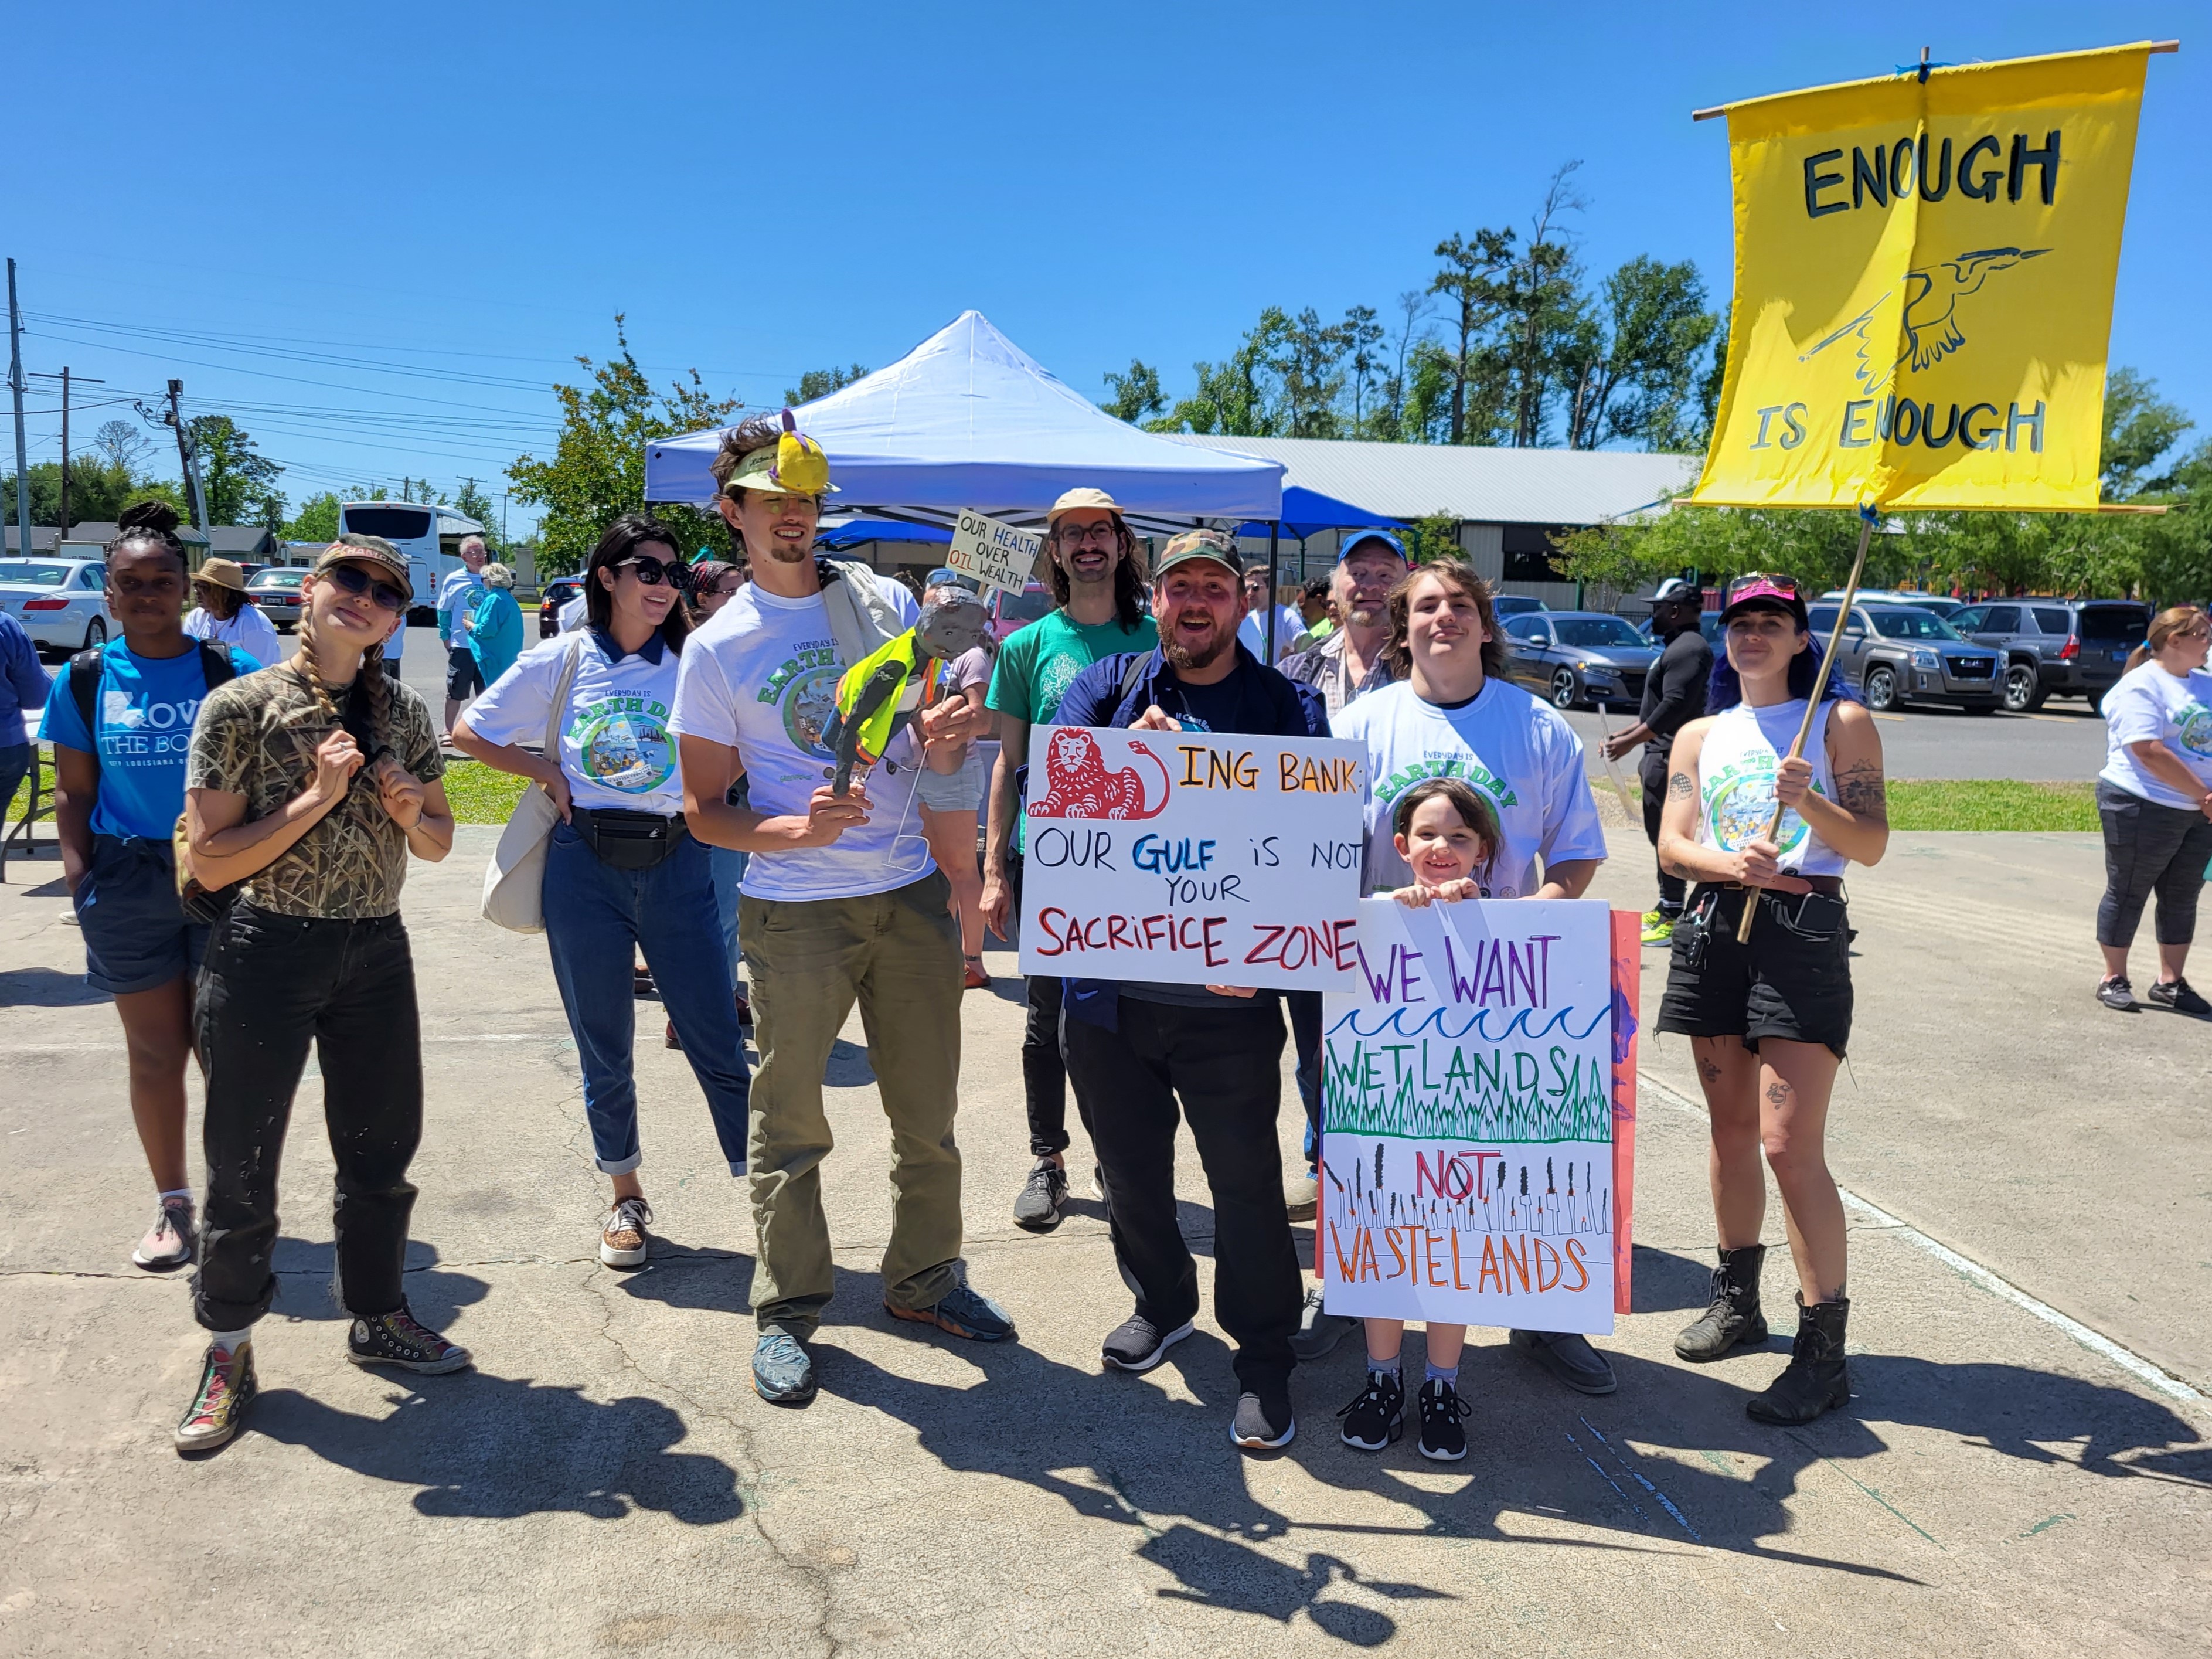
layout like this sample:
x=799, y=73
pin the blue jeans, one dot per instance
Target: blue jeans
x=595, y=917
x=729, y=868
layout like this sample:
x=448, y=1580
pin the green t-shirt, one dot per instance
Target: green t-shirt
x=1037, y=664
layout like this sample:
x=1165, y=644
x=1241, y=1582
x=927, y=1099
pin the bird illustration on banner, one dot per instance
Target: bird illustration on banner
x=1931, y=321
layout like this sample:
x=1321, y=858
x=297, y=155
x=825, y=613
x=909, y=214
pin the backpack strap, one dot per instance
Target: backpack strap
x=215, y=665
x=1132, y=674
x=84, y=689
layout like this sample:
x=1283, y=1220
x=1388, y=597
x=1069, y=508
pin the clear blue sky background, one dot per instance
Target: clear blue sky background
x=457, y=198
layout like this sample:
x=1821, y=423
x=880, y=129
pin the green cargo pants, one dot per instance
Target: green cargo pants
x=897, y=954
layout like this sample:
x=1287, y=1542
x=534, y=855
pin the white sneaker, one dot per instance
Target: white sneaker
x=622, y=1235
x=168, y=1241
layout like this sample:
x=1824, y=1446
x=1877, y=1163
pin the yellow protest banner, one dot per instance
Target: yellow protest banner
x=1923, y=287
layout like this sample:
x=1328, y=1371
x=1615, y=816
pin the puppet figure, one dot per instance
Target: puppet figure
x=881, y=694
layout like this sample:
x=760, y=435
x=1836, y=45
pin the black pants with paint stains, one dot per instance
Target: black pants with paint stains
x=1225, y=1065
x=271, y=985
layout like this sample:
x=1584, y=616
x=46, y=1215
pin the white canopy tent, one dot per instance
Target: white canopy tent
x=969, y=420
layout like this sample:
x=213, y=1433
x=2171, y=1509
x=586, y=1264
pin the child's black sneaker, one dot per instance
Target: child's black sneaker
x=1442, y=1410
x=1378, y=1416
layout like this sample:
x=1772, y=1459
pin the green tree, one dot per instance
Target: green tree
x=1471, y=282
x=1136, y=397
x=317, y=521
x=1633, y=369
x=473, y=502
x=1308, y=365
x=596, y=471
x=1240, y=395
x=2140, y=426
x=1363, y=339
x=1540, y=294
x=241, y=481
x=820, y=383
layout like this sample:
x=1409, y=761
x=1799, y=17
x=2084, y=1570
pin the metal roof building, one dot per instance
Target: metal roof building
x=1507, y=503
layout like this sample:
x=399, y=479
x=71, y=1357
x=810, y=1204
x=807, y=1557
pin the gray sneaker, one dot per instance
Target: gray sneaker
x=1302, y=1194
x=783, y=1375
x=1037, y=1207
x=1318, y=1331
x=168, y=1241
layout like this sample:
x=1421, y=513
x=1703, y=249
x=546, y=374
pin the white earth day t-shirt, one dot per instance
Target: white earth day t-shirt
x=1521, y=753
x=761, y=675
x=2150, y=705
x=616, y=745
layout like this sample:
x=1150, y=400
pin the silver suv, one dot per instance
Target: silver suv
x=2056, y=648
x=1898, y=653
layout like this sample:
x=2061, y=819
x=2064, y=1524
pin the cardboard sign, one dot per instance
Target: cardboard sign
x=1192, y=858
x=997, y=555
x=1470, y=1086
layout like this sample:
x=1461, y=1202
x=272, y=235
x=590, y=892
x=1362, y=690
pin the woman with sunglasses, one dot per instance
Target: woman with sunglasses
x=1767, y=1018
x=623, y=873
x=2155, y=798
x=309, y=786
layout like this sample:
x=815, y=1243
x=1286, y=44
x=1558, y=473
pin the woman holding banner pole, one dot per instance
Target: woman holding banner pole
x=1768, y=1018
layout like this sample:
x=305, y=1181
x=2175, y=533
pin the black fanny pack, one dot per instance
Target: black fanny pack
x=629, y=841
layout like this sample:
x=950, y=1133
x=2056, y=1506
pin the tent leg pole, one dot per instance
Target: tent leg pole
x=1274, y=534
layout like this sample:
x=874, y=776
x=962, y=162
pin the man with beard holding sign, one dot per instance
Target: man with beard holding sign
x=1455, y=716
x=1133, y=1050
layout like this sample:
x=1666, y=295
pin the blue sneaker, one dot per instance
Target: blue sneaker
x=782, y=1374
x=961, y=1312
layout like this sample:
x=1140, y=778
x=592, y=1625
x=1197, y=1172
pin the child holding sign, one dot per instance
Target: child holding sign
x=1446, y=832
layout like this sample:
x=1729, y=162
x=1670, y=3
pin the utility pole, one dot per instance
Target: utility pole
x=15, y=385
x=188, y=452
x=63, y=377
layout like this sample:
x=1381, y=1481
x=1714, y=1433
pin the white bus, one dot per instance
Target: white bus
x=430, y=537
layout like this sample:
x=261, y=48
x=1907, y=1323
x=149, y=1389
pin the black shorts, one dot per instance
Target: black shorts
x=1791, y=980
x=464, y=674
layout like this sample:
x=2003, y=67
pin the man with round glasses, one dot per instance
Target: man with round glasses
x=842, y=903
x=1091, y=565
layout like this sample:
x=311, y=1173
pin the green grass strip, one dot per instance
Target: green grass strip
x=1990, y=803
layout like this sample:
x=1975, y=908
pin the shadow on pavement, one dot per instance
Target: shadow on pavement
x=306, y=1288
x=1661, y=1282
x=45, y=988
x=493, y=1448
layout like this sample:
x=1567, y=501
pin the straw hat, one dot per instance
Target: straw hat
x=222, y=572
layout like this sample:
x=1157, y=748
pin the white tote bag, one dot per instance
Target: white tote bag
x=515, y=879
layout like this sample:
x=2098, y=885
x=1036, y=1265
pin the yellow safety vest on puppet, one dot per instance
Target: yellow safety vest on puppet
x=880, y=693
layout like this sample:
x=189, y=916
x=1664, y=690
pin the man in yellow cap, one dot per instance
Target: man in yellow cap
x=1092, y=567
x=841, y=902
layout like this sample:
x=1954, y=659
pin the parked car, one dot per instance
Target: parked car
x=550, y=598
x=277, y=591
x=1896, y=653
x=62, y=603
x=1515, y=605
x=2057, y=647
x=1942, y=603
x=1574, y=658
x=1010, y=611
x=1709, y=625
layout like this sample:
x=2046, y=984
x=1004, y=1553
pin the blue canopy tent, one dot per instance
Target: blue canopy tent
x=1305, y=512
x=854, y=532
x=969, y=420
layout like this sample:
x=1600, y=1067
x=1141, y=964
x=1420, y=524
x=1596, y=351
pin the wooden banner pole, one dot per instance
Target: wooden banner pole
x=1812, y=703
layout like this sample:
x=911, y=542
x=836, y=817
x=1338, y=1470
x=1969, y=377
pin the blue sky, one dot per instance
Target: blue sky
x=456, y=200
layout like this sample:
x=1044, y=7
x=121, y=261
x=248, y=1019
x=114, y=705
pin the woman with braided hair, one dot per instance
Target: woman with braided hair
x=307, y=787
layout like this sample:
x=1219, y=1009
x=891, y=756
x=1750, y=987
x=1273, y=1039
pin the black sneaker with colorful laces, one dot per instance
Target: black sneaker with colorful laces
x=1378, y=1416
x=1442, y=1439
x=398, y=1339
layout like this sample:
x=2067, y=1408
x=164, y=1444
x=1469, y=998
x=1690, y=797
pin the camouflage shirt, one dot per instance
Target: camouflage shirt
x=257, y=736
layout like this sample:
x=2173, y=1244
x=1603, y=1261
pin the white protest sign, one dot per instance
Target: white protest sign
x=1468, y=1095
x=1192, y=858
x=997, y=555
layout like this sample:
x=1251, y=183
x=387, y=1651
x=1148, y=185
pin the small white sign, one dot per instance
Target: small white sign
x=997, y=555
x=1193, y=858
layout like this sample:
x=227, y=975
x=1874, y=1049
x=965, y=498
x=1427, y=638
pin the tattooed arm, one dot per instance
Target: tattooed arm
x=1680, y=854
x=1856, y=822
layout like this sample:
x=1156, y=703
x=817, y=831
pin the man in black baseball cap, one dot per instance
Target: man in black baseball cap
x=1673, y=695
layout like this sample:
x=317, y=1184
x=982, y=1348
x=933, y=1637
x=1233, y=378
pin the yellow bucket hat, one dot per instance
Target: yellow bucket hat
x=795, y=466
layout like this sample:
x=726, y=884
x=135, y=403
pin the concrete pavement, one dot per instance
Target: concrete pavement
x=606, y=1481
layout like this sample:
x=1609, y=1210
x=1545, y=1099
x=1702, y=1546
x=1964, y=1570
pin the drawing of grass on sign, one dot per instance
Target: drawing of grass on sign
x=1441, y=1091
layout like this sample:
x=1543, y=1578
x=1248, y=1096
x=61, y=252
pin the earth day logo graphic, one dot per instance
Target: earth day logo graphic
x=623, y=743
x=1930, y=320
x=2192, y=722
x=1739, y=804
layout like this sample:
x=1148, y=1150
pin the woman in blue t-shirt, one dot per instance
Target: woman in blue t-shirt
x=121, y=786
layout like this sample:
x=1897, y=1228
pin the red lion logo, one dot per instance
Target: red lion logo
x=1078, y=786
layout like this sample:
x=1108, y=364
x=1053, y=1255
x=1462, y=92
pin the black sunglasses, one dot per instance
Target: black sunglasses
x=652, y=571
x=356, y=581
